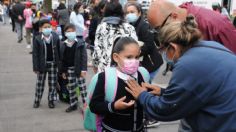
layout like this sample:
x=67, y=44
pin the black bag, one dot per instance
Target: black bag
x=62, y=90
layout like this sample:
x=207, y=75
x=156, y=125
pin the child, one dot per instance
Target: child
x=123, y=114
x=74, y=64
x=46, y=47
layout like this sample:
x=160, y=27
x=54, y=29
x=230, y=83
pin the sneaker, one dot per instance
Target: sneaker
x=28, y=46
x=36, y=105
x=153, y=123
x=51, y=104
x=71, y=108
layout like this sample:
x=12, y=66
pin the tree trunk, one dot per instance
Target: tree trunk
x=47, y=6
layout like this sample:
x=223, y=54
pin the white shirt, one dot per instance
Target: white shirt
x=78, y=21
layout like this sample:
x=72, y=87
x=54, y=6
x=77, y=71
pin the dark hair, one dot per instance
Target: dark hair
x=69, y=26
x=136, y=5
x=99, y=7
x=119, y=45
x=114, y=9
x=183, y=33
x=61, y=6
x=77, y=6
x=43, y=21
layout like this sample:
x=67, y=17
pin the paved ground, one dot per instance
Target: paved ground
x=17, y=91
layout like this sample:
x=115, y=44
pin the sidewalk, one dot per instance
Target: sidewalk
x=17, y=87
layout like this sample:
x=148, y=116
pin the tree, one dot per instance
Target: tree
x=47, y=6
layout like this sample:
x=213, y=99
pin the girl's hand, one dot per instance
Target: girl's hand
x=83, y=74
x=64, y=75
x=134, y=88
x=121, y=105
x=155, y=90
x=95, y=70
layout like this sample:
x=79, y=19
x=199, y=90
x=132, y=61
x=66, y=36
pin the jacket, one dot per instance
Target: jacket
x=80, y=57
x=152, y=60
x=78, y=21
x=107, y=32
x=18, y=10
x=39, y=54
x=63, y=17
x=202, y=90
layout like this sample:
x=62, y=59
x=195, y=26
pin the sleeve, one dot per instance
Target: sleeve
x=73, y=19
x=98, y=105
x=14, y=14
x=92, y=29
x=84, y=59
x=35, y=55
x=147, y=37
x=98, y=45
x=180, y=99
x=132, y=33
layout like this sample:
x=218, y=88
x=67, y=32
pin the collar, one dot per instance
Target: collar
x=68, y=42
x=125, y=77
x=46, y=38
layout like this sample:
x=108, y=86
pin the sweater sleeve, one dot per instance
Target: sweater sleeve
x=35, y=55
x=84, y=58
x=182, y=97
x=98, y=105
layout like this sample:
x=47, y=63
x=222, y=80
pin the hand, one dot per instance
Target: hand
x=155, y=90
x=134, y=88
x=83, y=74
x=64, y=75
x=36, y=72
x=95, y=69
x=121, y=105
x=20, y=18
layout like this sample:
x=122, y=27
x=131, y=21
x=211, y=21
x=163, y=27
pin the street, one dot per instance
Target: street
x=17, y=88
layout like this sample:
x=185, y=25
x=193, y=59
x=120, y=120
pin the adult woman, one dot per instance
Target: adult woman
x=78, y=20
x=152, y=60
x=63, y=17
x=111, y=28
x=202, y=89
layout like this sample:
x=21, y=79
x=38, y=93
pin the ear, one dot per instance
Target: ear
x=115, y=57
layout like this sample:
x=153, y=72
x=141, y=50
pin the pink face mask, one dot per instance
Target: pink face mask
x=130, y=66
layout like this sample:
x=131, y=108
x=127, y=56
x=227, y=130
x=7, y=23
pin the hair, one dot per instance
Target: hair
x=136, y=5
x=43, y=21
x=68, y=26
x=183, y=33
x=114, y=9
x=77, y=6
x=61, y=6
x=99, y=7
x=119, y=45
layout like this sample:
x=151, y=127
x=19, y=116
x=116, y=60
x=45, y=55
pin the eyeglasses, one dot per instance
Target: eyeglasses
x=163, y=24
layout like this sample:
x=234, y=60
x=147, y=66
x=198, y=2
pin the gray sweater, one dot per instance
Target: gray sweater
x=63, y=16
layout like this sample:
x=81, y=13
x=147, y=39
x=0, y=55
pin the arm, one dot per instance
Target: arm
x=84, y=59
x=35, y=55
x=97, y=104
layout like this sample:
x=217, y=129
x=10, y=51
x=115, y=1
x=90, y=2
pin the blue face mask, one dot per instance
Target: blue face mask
x=131, y=17
x=71, y=36
x=168, y=61
x=47, y=31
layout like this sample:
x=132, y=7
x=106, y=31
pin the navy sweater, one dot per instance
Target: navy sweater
x=202, y=90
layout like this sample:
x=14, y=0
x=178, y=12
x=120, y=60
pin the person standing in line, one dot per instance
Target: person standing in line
x=12, y=18
x=28, y=15
x=18, y=15
x=74, y=64
x=46, y=57
x=77, y=19
x=63, y=17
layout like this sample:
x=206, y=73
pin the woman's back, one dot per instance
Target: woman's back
x=63, y=16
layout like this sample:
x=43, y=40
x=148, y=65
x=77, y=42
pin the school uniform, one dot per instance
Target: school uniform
x=45, y=61
x=74, y=61
x=127, y=120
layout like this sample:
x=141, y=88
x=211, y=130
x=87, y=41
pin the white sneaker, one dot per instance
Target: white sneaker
x=152, y=123
x=28, y=46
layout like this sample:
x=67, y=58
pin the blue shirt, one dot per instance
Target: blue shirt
x=202, y=90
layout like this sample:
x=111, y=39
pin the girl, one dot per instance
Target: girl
x=74, y=64
x=28, y=23
x=123, y=114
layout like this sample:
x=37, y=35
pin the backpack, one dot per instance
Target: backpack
x=92, y=122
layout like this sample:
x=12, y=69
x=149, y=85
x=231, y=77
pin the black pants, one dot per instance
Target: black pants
x=63, y=32
x=13, y=24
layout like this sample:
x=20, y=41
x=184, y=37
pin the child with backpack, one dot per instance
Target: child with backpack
x=114, y=107
x=74, y=64
x=46, y=48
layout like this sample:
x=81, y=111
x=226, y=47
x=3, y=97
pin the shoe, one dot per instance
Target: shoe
x=28, y=46
x=71, y=108
x=51, y=104
x=30, y=52
x=153, y=123
x=36, y=105
x=19, y=41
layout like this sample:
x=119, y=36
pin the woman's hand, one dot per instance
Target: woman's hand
x=121, y=105
x=83, y=74
x=95, y=70
x=155, y=90
x=134, y=88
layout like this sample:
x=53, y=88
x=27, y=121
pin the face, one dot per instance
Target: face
x=131, y=51
x=70, y=30
x=46, y=25
x=133, y=9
